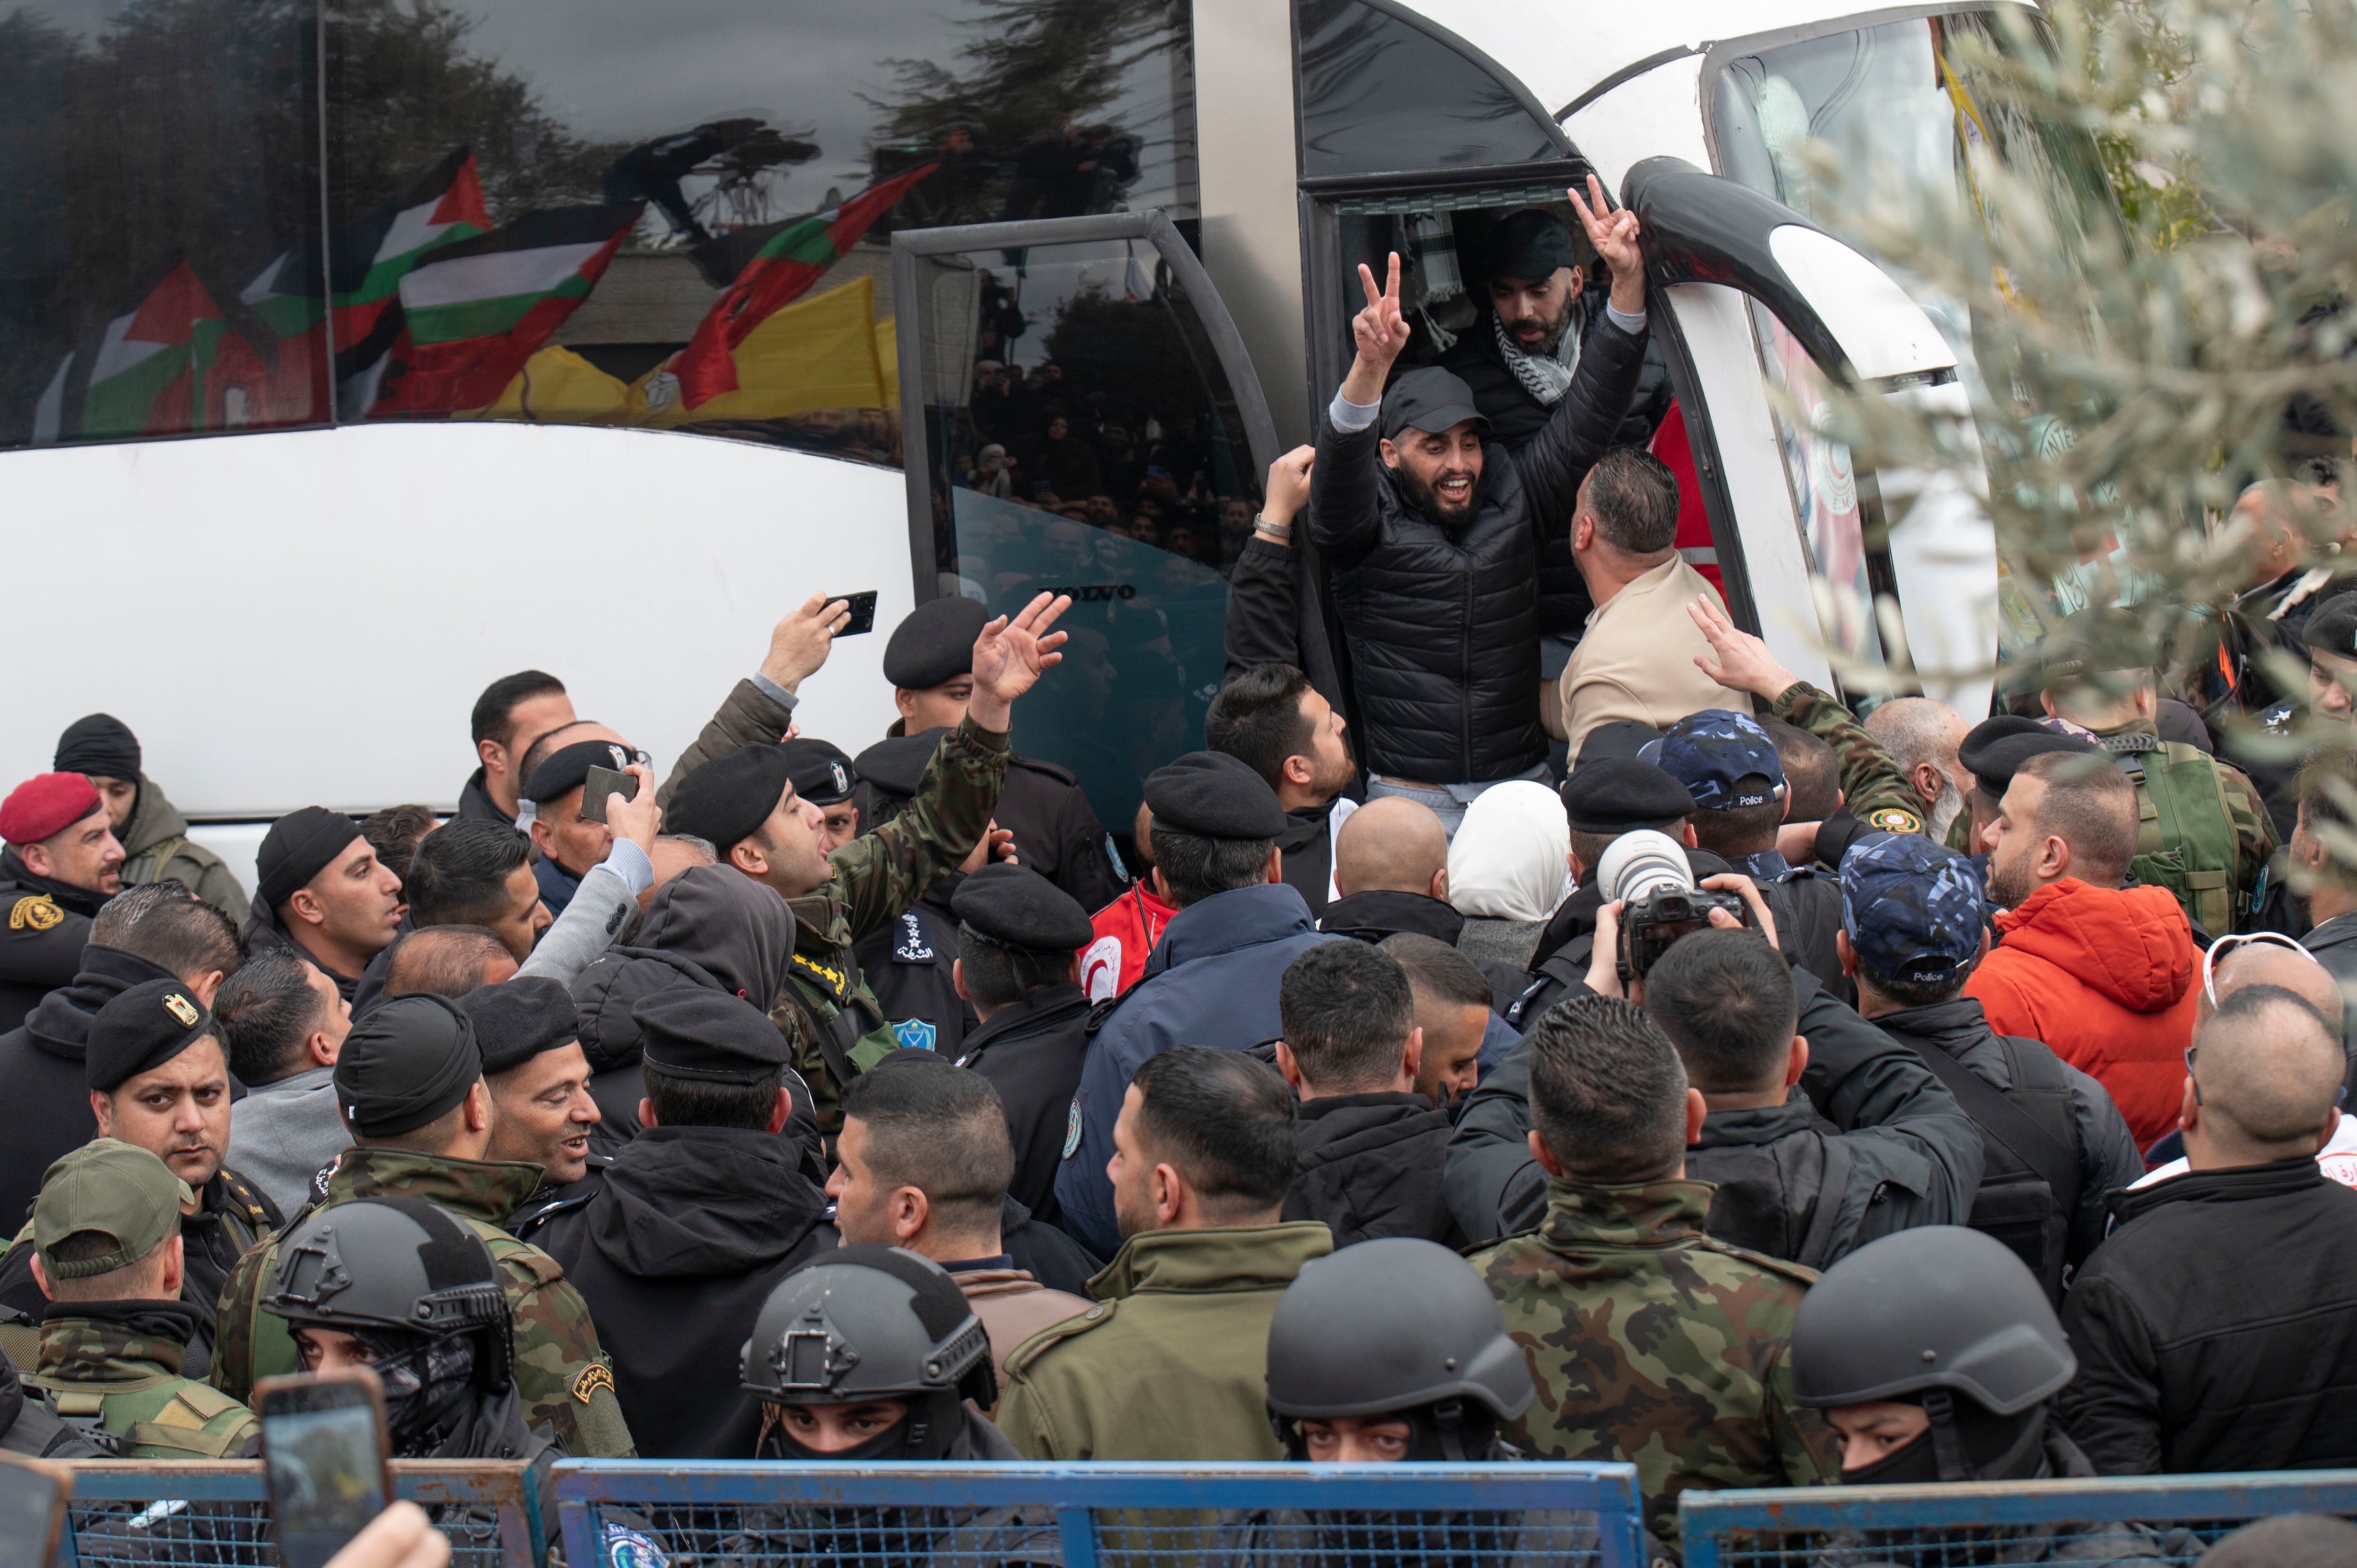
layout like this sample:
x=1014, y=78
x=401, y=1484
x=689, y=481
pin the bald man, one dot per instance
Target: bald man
x=1922, y=737
x=1391, y=869
x=2217, y=1328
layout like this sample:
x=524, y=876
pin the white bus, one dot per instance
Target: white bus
x=355, y=354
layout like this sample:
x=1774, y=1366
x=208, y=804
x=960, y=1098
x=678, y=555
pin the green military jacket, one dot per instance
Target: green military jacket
x=1873, y=789
x=2216, y=910
x=130, y=1383
x=563, y=1375
x=1172, y=1362
x=1653, y=1344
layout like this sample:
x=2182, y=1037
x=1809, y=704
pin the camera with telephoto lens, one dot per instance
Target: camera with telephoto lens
x=1647, y=873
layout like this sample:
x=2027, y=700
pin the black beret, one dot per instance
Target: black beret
x=2333, y=628
x=820, y=771
x=141, y=1030
x=99, y=746
x=1619, y=795
x=298, y=846
x=566, y=768
x=1017, y=907
x=695, y=1031
x=1213, y=796
x=1994, y=748
x=1529, y=244
x=933, y=644
x=1623, y=738
x=409, y=1061
x=896, y=765
x=724, y=801
x=518, y=1019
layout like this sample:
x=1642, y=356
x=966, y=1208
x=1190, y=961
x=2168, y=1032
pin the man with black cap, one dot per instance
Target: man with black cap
x=698, y=1218
x=930, y=662
x=1991, y=751
x=1017, y=935
x=322, y=891
x=570, y=842
x=1211, y=980
x=747, y=805
x=1435, y=540
x=151, y=830
x=542, y=1111
x=410, y=1082
x=61, y=865
x=159, y=1080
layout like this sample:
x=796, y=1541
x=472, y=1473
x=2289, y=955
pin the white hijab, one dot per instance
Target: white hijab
x=1509, y=861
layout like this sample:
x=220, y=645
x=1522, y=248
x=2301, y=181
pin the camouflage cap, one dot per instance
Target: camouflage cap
x=1913, y=909
x=115, y=1189
x=1723, y=758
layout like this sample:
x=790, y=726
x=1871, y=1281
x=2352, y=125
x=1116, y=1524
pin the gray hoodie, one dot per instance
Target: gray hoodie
x=282, y=1134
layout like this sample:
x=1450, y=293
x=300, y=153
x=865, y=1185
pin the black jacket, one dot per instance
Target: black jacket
x=1046, y=1253
x=2217, y=1328
x=263, y=930
x=1371, y=917
x=474, y=802
x=908, y=966
x=44, y=1081
x=1443, y=626
x=1031, y=1053
x=1276, y=616
x=1516, y=418
x=1307, y=852
x=674, y=1252
x=1368, y=1165
x=1057, y=832
x=44, y=926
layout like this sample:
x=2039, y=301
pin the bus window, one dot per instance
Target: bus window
x=1088, y=428
x=1825, y=494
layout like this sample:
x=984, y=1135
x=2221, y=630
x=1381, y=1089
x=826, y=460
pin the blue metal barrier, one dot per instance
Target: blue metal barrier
x=648, y=1513
x=2144, y=1520
x=216, y=1513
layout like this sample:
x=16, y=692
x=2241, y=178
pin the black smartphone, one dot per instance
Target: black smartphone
x=863, y=613
x=600, y=783
x=32, y=1494
x=323, y=1447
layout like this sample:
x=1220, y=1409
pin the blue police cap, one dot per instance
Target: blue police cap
x=1913, y=909
x=1723, y=758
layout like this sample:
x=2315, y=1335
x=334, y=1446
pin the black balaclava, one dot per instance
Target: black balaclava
x=931, y=1425
x=1451, y=1433
x=428, y=1382
x=1965, y=1443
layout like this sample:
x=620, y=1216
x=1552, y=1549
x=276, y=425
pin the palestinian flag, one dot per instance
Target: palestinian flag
x=443, y=207
x=147, y=376
x=780, y=273
x=474, y=312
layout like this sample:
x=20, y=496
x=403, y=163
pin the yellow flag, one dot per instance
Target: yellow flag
x=819, y=352
x=557, y=384
x=887, y=360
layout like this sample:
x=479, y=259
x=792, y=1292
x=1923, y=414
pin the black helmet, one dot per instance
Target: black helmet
x=1396, y=1327
x=867, y=1323
x=1927, y=1315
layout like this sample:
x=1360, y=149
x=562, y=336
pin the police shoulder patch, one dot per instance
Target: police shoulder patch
x=1892, y=819
x=913, y=1034
x=38, y=912
x=1072, y=1131
x=913, y=946
x=595, y=1376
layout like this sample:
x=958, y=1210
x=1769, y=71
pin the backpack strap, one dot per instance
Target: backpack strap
x=1998, y=1117
x=1831, y=1187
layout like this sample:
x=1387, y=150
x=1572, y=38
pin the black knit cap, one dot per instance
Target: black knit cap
x=1994, y=750
x=100, y=746
x=822, y=771
x=566, y=768
x=142, y=1029
x=1529, y=244
x=896, y=765
x=409, y=1061
x=1213, y=796
x=298, y=846
x=1620, y=795
x=724, y=801
x=517, y=1019
x=933, y=644
x=2331, y=630
x=1017, y=907
x=696, y=1032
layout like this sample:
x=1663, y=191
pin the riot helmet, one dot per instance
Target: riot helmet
x=1948, y=1318
x=419, y=1288
x=1397, y=1328
x=868, y=1322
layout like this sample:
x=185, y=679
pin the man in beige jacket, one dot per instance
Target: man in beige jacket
x=1636, y=660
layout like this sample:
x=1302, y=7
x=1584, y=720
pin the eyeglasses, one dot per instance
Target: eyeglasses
x=2227, y=944
x=2188, y=1073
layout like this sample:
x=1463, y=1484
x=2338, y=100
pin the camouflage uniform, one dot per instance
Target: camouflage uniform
x=1873, y=789
x=1653, y=1343
x=94, y=1369
x=563, y=1375
x=2246, y=810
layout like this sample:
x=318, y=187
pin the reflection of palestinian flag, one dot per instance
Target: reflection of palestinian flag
x=443, y=207
x=474, y=312
x=796, y=257
x=147, y=374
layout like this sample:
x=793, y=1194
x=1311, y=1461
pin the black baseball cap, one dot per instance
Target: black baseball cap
x=1428, y=398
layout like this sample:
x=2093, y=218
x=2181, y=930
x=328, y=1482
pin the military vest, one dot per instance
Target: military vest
x=2185, y=829
x=1779, y=1200
x=161, y=1417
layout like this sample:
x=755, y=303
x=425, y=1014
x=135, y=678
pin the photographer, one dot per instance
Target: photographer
x=1874, y=1135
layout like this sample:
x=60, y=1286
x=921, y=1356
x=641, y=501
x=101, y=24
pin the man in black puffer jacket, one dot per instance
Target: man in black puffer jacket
x=1434, y=534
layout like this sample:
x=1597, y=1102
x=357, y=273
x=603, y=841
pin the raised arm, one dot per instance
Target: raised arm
x=1264, y=594
x=1587, y=420
x=760, y=709
x=1344, y=514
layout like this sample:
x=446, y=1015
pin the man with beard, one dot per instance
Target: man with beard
x=62, y=862
x=1434, y=533
x=1272, y=720
x=322, y=891
x=159, y=1080
x=1925, y=737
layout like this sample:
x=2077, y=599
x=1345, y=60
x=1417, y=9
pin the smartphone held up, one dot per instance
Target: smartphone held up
x=324, y=1447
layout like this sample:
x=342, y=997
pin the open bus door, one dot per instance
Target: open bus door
x=1079, y=417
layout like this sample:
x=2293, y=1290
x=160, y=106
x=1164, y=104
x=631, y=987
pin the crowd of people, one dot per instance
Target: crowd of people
x=1776, y=1098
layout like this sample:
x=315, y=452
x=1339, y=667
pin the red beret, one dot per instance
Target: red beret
x=46, y=804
